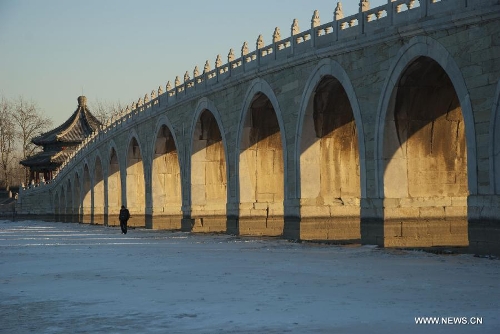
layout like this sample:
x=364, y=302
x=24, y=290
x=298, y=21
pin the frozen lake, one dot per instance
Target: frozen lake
x=73, y=278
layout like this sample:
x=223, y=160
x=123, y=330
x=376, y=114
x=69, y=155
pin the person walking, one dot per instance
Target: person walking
x=124, y=217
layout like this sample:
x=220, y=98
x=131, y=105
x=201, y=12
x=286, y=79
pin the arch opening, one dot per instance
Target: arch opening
x=114, y=190
x=208, y=176
x=135, y=188
x=166, y=183
x=330, y=166
x=98, y=189
x=261, y=171
x=425, y=159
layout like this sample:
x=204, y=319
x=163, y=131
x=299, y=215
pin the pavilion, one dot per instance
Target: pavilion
x=59, y=143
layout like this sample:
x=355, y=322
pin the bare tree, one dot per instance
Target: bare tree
x=31, y=122
x=104, y=110
x=7, y=141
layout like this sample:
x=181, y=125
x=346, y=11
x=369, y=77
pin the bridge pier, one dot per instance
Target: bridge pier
x=291, y=228
x=484, y=224
x=187, y=224
x=372, y=221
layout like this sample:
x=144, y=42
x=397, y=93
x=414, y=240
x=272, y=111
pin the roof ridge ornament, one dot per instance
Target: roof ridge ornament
x=82, y=101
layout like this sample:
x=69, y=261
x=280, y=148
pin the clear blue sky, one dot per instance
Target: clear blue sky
x=119, y=50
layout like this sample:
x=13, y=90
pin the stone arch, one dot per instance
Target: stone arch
x=166, y=185
x=135, y=186
x=495, y=144
x=261, y=162
x=98, y=190
x=425, y=47
x=209, y=191
x=329, y=67
x=425, y=148
x=330, y=156
x=86, y=194
x=114, y=185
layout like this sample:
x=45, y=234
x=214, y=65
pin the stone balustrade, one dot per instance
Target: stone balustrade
x=396, y=14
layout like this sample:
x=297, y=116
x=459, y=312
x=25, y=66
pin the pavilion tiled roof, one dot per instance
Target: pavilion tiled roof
x=48, y=159
x=80, y=125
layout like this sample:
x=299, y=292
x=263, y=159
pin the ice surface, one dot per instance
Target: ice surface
x=74, y=278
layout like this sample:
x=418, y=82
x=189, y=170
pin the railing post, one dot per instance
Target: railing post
x=390, y=11
x=313, y=36
x=423, y=7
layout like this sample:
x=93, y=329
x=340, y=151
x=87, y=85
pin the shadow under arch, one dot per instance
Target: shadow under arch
x=166, y=174
x=77, y=198
x=208, y=158
x=98, y=202
x=261, y=160
x=330, y=156
x=86, y=211
x=68, y=211
x=135, y=186
x=425, y=151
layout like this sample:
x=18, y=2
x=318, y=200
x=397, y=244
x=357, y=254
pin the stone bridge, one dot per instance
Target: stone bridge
x=382, y=127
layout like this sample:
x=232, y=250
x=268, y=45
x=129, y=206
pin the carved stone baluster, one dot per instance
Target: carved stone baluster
x=160, y=90
x=244, y=52
x=276, y=35
x=177, y=81
x=186, y=77
x=364, y=5
x=295, y=27
x=168, y=87
x=230, y=56
x=206, y=68
x=260, y=42
x=339, y=14
x=196, y=75
x=315, y=21
x=218, y=61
